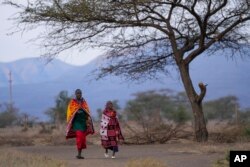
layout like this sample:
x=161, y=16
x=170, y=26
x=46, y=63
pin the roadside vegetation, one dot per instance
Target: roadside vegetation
x=157, y=116
x=152, y=117
x=19, y=159
x=222, y=162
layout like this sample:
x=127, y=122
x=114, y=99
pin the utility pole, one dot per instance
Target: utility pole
x=10, y=90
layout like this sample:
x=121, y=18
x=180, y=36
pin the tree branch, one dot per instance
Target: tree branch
x=203, y=90
x=201, y=49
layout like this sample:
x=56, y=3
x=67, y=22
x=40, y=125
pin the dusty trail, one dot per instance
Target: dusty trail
x=94, y=155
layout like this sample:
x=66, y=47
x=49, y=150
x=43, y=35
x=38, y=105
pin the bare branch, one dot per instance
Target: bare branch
x=203, y=90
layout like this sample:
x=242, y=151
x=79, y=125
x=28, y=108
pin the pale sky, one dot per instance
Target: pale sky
x=16, y=46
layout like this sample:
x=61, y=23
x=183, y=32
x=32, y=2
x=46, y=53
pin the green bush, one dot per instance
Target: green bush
x=7, y=119
x=181, y=115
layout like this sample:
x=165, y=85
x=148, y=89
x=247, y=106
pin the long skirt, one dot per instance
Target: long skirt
x=110, y=144
x=81, y=140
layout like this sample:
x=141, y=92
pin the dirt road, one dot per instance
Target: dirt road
x=94, y=155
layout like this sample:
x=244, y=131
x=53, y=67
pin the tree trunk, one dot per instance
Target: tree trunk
x=201, y=134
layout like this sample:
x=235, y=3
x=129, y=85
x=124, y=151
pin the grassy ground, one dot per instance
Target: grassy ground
x=13, y=158
x=46, y=146
x=175, y=154
x=146, y=162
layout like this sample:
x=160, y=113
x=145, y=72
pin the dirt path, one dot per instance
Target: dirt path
x=94, y=155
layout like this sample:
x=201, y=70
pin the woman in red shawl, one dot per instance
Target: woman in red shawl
x=110, y=130
x=79, y=122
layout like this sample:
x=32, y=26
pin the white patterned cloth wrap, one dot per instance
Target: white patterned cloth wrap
x=104, y=126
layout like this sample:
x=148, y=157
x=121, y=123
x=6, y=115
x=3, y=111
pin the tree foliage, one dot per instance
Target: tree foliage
x=156, y=106
x=144, y=34
x=156, y=116
x=222, y=109
x=57, y=114
x=244, y=116
x=181, y=115
x=8, y=115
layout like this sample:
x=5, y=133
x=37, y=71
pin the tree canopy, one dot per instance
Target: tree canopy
x=140, y=36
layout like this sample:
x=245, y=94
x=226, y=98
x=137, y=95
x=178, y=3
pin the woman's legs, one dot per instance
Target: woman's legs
x=80, y=142
x=79, y=155
x=106, y=153
x=114, y=150
x=113, y=155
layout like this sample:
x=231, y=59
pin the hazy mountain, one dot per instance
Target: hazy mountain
x=32, y=70
x=224, y=76
x=36, y=85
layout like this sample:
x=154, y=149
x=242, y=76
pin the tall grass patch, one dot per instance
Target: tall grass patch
x=19, y=159
x=223, y=162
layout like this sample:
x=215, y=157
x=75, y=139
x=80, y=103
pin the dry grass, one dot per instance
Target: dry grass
x=225, y=132
x=221, y=148
x=222, y=138
x=222, y=162
x=188, y=146
x=12, y=158
x=148, y=162
x=40, y=135
x=219, y=133
x=158, y=134
x=14, y=136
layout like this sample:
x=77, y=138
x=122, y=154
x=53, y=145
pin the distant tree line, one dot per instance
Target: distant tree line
x=150, y=116
x=160, y=105
x=145, y=108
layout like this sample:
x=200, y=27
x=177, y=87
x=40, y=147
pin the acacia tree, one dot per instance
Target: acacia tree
x=143, y=37
x=57, y=114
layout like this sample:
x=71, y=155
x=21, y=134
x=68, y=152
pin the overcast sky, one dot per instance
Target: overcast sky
x=14, y=47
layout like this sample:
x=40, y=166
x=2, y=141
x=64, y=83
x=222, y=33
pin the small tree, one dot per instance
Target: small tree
x=181, y=115
x=57, y=114
x=157, y=105
x=8, y=115
x=150, y=111
x=150, y=105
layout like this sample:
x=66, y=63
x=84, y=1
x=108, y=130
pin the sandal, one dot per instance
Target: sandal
x=79, y=157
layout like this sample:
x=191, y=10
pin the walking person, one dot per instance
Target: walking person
x=79, y=122
x=110, y=130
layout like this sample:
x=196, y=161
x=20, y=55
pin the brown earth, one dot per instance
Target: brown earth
x=173, y=155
